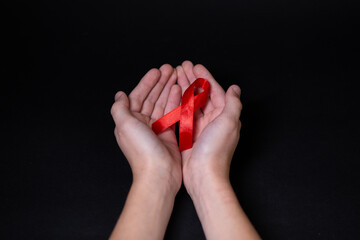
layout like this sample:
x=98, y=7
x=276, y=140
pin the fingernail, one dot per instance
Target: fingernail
x=118, y=95
x=237, y=90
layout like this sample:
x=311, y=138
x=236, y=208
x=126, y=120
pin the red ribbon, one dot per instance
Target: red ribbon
x=185, y=113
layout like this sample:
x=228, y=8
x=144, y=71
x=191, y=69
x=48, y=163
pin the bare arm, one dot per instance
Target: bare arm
x=219, y=211
x=146, y=213
x=206, y=166
x=155, y=160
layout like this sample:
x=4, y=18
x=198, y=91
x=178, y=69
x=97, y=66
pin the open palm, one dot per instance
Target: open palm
x=154, y=96
x=214, y=128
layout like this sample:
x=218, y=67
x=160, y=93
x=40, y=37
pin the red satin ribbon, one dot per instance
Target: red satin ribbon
x=185, y=113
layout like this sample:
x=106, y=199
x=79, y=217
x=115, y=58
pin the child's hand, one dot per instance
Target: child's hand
x=216, y=131
x=154, y=160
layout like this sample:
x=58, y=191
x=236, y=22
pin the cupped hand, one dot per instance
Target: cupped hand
x=154, y=159
x=216, y=129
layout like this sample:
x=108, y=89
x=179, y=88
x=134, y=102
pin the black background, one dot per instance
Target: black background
x=296, y=168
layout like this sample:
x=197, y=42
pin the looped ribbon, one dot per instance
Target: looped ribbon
x=185, y=113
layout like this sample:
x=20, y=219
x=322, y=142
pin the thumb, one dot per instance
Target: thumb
x=121, y=107
x=233, y=104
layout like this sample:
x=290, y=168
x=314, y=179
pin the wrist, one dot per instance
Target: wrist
x=155, y=185
x=206, y=181
x=219, y=211
x=162, y=175
x=211, y=198
x=208, y=188
x=148, y=207
x=206, y=175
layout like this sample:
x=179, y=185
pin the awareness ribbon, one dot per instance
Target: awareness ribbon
x=185, y=113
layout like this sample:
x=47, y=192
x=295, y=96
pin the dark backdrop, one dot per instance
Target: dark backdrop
x=296, y=168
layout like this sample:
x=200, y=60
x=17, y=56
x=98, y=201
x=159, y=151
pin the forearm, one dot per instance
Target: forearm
x=219, y=211
x=146, y=213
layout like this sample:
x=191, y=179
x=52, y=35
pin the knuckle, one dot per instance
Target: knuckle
x=231, y=123
x=123, y=126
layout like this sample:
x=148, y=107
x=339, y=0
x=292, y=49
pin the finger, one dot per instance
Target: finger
x=120, y=110
x=150, y=101
x=184, y=84
x=189, y=71
x=140, y=92
x=233, y=104
x=182, y=79
x=174, y=100
x=118, y=95
x=161, y=102
x=217, y=93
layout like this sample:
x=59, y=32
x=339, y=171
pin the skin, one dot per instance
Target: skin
x=206, y=165
x=159, y=168
x=155, y=160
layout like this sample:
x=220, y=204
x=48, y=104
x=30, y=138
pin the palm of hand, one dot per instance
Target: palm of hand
x=154, y=96
x=204, y=118
x=165, y=143
x=204, y=125
x=213, y=130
